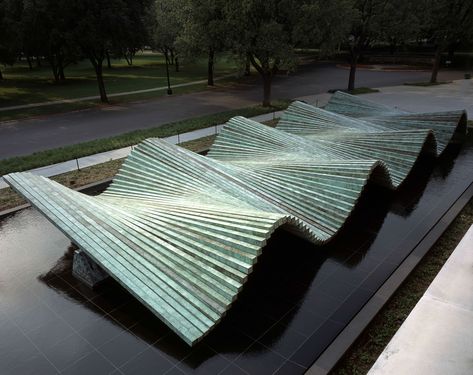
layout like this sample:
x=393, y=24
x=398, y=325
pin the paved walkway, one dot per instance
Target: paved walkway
x=455, y=95
x=97, y=97
x=437, y=336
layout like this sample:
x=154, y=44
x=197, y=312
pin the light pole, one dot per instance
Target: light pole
x=167, y=74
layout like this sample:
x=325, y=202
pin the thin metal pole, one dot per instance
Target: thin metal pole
x=77, y=162
x=167, y=74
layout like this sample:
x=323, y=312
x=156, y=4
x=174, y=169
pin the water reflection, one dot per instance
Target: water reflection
x=297, y=300
x=267, y=311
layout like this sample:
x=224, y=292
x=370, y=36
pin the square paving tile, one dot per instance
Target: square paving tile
x=67, y=351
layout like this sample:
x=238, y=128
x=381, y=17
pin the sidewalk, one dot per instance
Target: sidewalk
x=437, y=336
x=96, y=97
x=446, y=97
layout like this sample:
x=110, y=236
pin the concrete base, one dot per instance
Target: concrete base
x=86, y=270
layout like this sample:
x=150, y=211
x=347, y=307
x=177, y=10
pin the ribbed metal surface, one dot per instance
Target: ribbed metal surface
x=182, y=232
x=353, y=139
x=356, y=106
x=443, y=124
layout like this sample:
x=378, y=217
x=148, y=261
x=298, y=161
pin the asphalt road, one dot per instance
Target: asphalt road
x=41, y=133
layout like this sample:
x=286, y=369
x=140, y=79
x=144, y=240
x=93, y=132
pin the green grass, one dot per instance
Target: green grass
x=42, y=158
x=369, y=346
x=68, y=107
x=24, y=86
x=426, y=84
x=356, y=91
x=361, y=90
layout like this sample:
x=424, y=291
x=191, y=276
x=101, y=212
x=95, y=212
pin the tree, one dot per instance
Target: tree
x=99, y=25
x=398, y=24
x=165, y=25
x=205, y=32
x=363, y=31
x=8, y=34
x=32, y=31
x=46, y=32
x=324, y=24
x=265, y=33
x=138, y=36
x=445, y=23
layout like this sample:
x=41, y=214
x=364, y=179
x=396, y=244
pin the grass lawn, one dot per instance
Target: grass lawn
x=356, y=91
x=24, y=86
x=48, y=157
x=426, y=84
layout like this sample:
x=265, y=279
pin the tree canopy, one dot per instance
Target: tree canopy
x=264, y=34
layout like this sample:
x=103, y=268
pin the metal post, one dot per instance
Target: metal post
x=167, y=74
x=77, y=162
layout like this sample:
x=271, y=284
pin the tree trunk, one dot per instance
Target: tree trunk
x=28, y=59
x=247, y=66
x=54, y=64
x=451, y=53
x=109, y=64
x=210, y=67
x=60, y=66
x=267, y=78
x=176, y=60
x=62, y=77
x=38, y=62
x=1, y=75
x=171, y=53
x=436, y=66
x=54, y=69
x=351, y=78
x=55, y=73
x=166, y=57
x=99, y=73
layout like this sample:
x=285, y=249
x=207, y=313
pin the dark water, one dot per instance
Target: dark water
x=296, y=302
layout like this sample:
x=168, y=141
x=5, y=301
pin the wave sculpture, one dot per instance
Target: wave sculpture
x=182, y=232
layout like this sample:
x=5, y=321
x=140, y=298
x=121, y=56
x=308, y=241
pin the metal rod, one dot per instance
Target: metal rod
x=167, y=74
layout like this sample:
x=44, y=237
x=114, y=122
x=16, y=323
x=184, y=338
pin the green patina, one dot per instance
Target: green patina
x=182, y=231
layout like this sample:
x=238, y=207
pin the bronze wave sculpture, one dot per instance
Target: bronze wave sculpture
x=182, y=231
